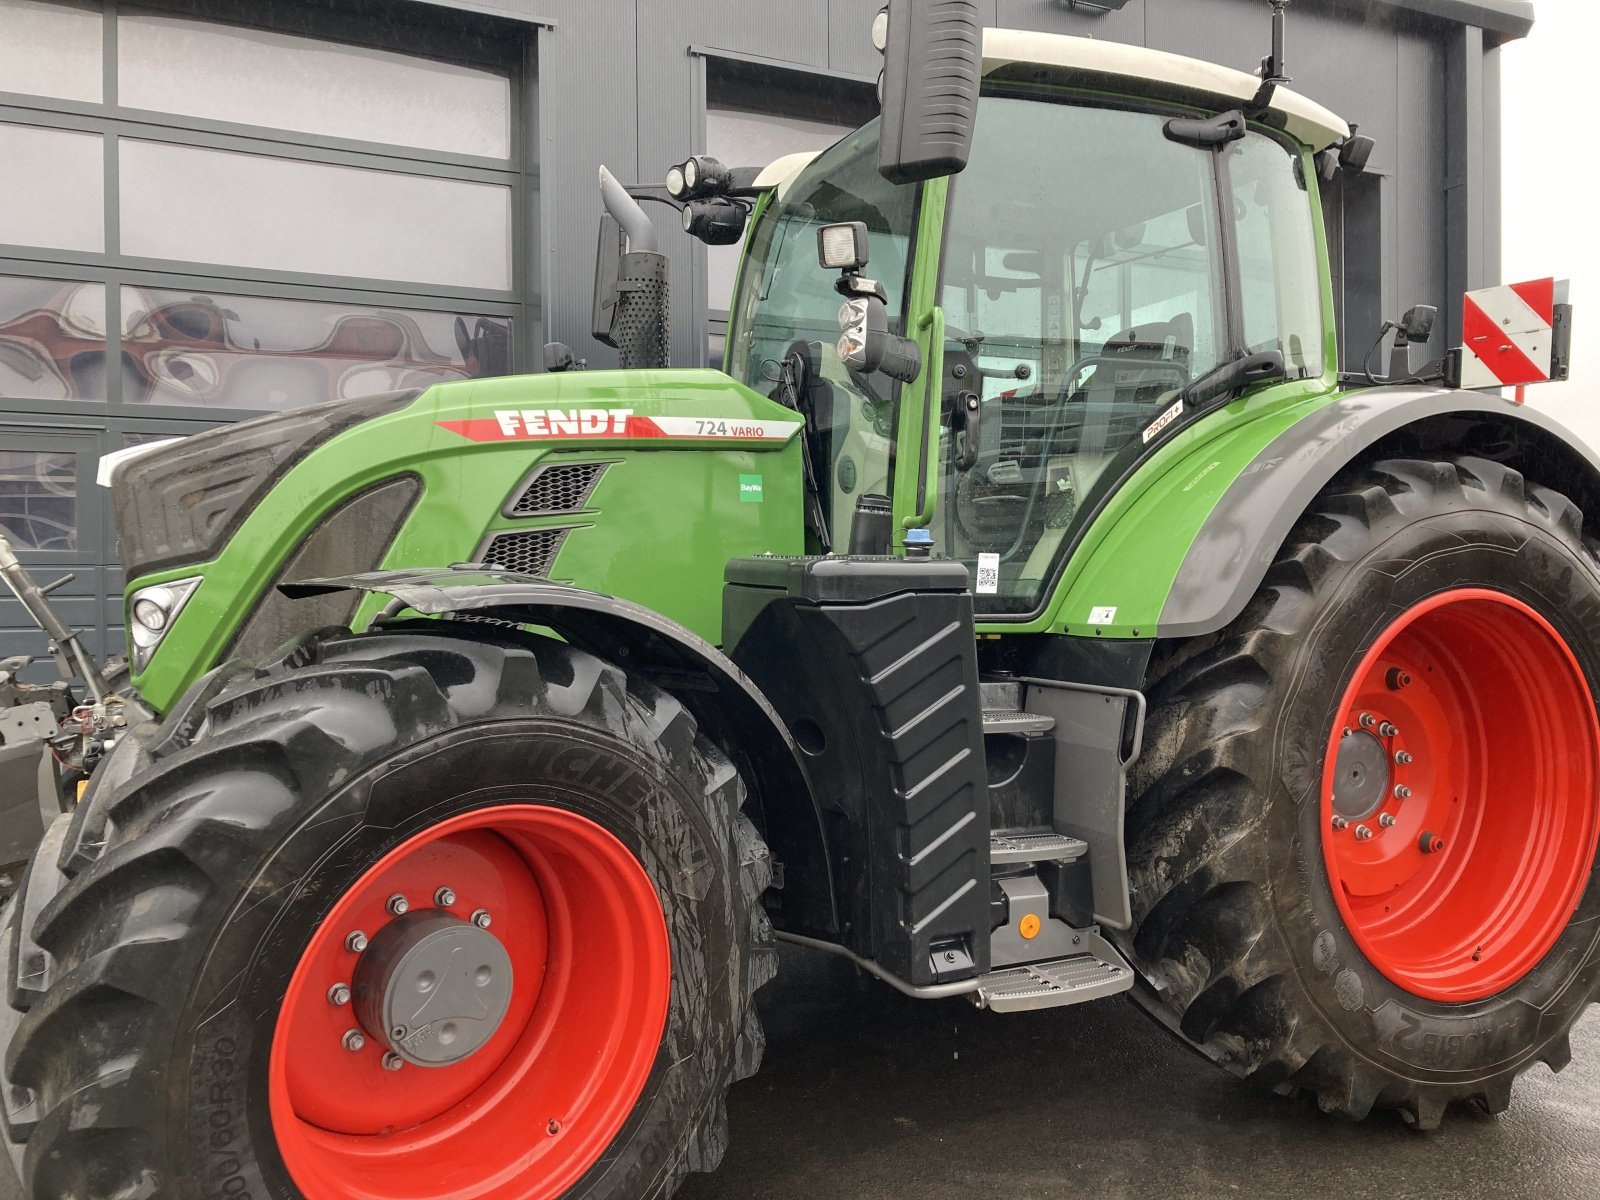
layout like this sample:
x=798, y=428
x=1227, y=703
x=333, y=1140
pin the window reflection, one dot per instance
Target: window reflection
x=39, y=499
x=54, y=191
x=52, y=339
x=51, y=48
x=257, y=353
x=286, y=81
x=195, y=204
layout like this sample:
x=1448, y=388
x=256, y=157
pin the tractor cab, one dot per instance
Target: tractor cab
x=1095, y=271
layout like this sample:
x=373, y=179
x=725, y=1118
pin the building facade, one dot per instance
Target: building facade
x=213, y=208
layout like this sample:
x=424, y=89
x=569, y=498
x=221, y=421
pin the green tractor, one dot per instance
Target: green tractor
x=1067, y=626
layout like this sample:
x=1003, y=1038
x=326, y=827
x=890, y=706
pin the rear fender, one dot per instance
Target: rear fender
x=1243, y=533
x=729, y=708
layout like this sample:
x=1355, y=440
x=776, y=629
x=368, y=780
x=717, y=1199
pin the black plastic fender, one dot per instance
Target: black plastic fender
x=1240, y=539
x=729, y=707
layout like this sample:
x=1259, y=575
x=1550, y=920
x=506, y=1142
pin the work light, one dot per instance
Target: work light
x=843, y=247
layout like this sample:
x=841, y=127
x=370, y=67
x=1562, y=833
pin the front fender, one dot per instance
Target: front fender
x=727, y=705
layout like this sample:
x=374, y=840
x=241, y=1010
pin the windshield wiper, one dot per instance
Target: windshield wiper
x=1235, y=376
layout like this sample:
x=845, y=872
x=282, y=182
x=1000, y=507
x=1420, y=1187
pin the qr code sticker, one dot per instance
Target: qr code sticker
x=988, y=574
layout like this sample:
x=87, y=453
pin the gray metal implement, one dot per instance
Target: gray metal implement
x=1033, y=847
x=1002, y=721
x=1052, y=984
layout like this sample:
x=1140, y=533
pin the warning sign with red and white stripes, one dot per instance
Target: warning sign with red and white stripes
x=1508, y=333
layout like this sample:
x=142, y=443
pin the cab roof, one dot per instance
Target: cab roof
x=1086, y=62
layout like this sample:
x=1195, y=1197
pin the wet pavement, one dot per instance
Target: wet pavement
x=868, y=1095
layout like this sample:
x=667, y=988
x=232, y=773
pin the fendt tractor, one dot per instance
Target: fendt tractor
x=1030, y=611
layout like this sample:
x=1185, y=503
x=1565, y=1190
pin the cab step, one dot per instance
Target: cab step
x=1055, y=983
x=1000, y=720
x=1034, y=846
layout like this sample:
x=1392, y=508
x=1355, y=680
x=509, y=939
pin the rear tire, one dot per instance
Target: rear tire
x=1266, y=945
x=157, y=1055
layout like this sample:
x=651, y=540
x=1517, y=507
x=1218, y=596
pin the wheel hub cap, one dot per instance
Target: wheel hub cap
x=1360, y=776
x=433, y=987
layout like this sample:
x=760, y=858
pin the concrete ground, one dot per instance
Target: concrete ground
x=868, y=1095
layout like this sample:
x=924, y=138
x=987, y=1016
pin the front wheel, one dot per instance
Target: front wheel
x=417, y=914
x=1365, y=842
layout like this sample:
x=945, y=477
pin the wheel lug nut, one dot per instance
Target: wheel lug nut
x=1402, y=757
x=1363, y=833
x=1397, y=679
x=339, y=995
x=1431, y=843
x=392, y=1061
x=1368, y=720
x=399, y=905
x=353, y=1040
x=356, y=943
x=481, y=918
x=1387, y=820
x=1340, y=823
x=444, y=897
x=1388, y=729
x=1402, y=792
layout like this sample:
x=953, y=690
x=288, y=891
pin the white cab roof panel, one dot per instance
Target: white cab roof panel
x=1086, y=61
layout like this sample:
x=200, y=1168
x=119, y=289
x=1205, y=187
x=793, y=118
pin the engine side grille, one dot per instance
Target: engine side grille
x=530, y=552
x=559, y=487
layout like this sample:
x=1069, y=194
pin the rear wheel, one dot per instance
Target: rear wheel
x=414, y=915
x=1365, y=838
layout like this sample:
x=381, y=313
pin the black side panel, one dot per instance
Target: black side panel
x=871, y=664
x=353, y=537
x=180, y=504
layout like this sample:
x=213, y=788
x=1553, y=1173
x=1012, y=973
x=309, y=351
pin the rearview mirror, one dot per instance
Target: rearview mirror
x=932, y=65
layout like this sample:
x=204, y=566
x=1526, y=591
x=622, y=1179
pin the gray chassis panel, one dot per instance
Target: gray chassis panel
x=1243, y=534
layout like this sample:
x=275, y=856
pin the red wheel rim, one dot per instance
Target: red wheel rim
x=526, y=1115
x=1458, y=866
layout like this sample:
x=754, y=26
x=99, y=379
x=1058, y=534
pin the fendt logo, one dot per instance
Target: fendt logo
x=562, y=422
x=524, y=424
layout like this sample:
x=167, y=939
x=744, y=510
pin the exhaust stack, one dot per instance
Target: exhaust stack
x=638, y=299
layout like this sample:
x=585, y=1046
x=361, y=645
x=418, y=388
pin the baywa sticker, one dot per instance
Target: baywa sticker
x=750, y=489
x=1165, y=419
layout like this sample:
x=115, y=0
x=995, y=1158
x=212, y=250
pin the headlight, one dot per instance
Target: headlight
x=151, y=611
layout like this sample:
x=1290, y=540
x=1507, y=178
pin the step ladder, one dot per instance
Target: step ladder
x=1034, y=846
x=1003, y=720
x=1054, y=983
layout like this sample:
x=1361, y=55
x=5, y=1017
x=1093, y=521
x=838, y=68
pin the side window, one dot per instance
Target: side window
x=1281, y=287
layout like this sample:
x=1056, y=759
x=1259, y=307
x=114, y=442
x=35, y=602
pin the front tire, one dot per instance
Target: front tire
x=578, y=901
x=1293, y=917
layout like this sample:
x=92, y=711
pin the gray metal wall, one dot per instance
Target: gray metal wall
x=622, y=82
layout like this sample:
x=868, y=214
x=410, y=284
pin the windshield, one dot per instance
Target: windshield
x=1084, y=287
x=786, y=303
